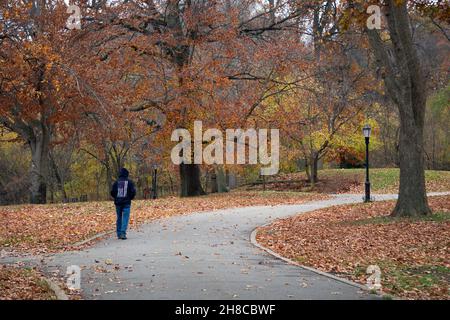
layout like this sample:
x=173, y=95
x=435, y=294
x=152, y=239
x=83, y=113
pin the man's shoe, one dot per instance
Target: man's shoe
x=123, y=237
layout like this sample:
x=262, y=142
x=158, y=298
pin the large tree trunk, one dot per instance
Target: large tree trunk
x=406, y=86
x=312, y=169
x=58, y=177
x=221, y=179
x=307, y=169
x=97, y=185
x=412, y=200
x=190, y=180
x=39, y=165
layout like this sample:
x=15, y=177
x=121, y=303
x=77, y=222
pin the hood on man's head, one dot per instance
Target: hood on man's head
x=124, y=173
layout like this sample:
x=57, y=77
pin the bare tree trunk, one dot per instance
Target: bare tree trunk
x=313, y=169
x=97, y=186
x=190, y=180
x=307, y=169
x=221, y=180
x=412, y=200
x=39, y=145
x=406, y=86
x=171, y=183
x=52, y=193
x=59, y=179
x=213, y=181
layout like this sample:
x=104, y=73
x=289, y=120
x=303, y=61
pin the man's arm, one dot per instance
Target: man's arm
x=114, y=190
x=132, y=190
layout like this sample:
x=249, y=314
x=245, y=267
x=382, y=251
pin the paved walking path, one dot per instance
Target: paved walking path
x=202, y=256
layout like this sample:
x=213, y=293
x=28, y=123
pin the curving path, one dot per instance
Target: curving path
x=203, y=256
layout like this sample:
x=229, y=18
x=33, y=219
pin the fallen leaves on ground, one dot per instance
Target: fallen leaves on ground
x=413, y=253
x=23, y=284
x=41, y=229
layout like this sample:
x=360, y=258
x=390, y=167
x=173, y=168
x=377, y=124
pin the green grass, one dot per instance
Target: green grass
x=301, y=259
x=10, y=242
x=272, y=193
x=380, y=179
x=266, y=194
x=383, y=179
x=435, y=217
x=419, y=277
x=406, y=278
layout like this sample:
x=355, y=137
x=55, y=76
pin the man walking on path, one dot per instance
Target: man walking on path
x=123, y=191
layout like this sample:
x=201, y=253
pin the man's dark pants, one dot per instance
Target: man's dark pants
x=123, y=216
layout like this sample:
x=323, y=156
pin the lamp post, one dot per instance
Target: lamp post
x=154, y=182
x=366, y=131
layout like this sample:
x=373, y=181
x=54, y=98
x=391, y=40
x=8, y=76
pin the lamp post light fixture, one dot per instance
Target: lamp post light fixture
x=366, y=131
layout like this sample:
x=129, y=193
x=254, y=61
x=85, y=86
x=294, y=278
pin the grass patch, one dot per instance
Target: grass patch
x=398, y=279
x=387, y=179
x=301, y=259
x=435, y=217
x=273, y=193
x=418, y=278
x=12, y=241
x=383, y=180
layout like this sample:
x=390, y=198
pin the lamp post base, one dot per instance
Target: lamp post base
x=367, y=197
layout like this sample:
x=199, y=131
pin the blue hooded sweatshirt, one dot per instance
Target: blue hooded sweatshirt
x=123, y=190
